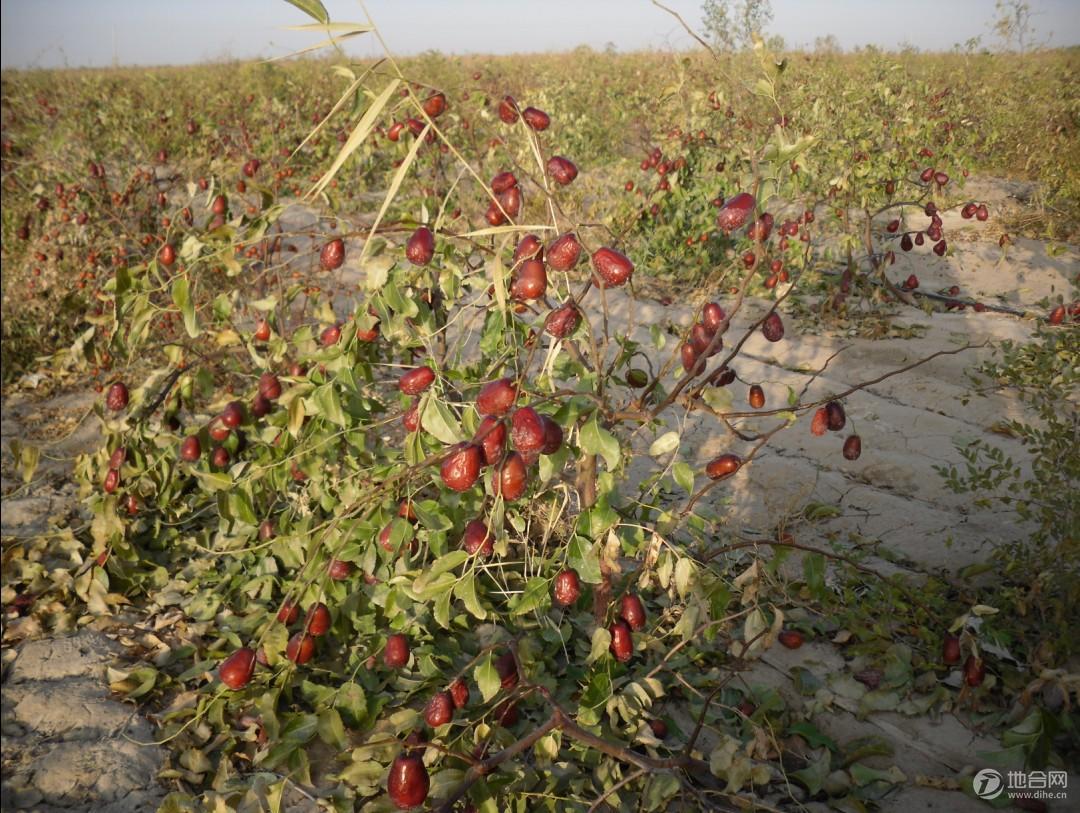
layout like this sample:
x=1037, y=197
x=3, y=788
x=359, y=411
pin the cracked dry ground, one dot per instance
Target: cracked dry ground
x=68, y=746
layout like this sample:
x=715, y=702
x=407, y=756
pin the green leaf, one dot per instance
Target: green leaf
x=398, y=302
x=665, y=444
x=684, y=476
x=684, y=574
x=352, y=703
x=597, y=440
x=582, y=556
x=864, y=775
x=719, y=398
x=331, y=729
x=446, y=563
x=535, y=595
x=439, y=420
x=813, y=775
x=662, y=788
x=240, y=507
x=312, y=8
x=327, y=403
x=214, y=480
x=487, y=679
x=466, y=591
x=296, y=416
x=814, y=738
x=814, y=573
x=181, y=296
x=601, y=642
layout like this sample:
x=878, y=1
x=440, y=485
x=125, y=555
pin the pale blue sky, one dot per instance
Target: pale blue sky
x=50, y=33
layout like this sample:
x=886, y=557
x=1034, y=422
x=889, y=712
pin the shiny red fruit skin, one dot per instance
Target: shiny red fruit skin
x=756, y=398
x=416, y=381
x=236, y=670
x=288, y=613
x=435, y=105
x=508, y=110
x=477, y=539
x=792, y=639
x=330, y=336
x=950, y=650
x=761, y=228
x=421, y=247
x=411, y=418
x=317, y=620
x=496, y=397
x=112, y=481
x=527, y=430
x=553, y=436
x=819, y=424
x=509, y=479
x=700, y=338
x=835, y=417
x=689, y=358
x=712, y=316
x=461, y=468
x=530, y=281
x=396, y=654
x=219, y=457
x=613, y=268
x=632, y=611
x=117, y=458
x=564, y=253
x=502, y=182
x=190, y=449
x=567, y=588
x=852, y=447
x=723, y=466
x=494, y=215
x=459, y=691
x=269, y=386
x=218, y=431
x=562, y=321
x=233, y=415
x=506, y=713
x=510, y=201
x=530, y=248
x=408, y=783
x=974, y=671
x=562, y=170
x=300, y=648
x=117, y=397
x=339, y=570
x=773, y=327
x=439, y=710
x=622, y=641
x=736, y=212
x=332, y=255
x=506, y=668
x=491, y=437
x=536, y=119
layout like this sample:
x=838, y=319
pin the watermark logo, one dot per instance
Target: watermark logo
x=988, y=784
